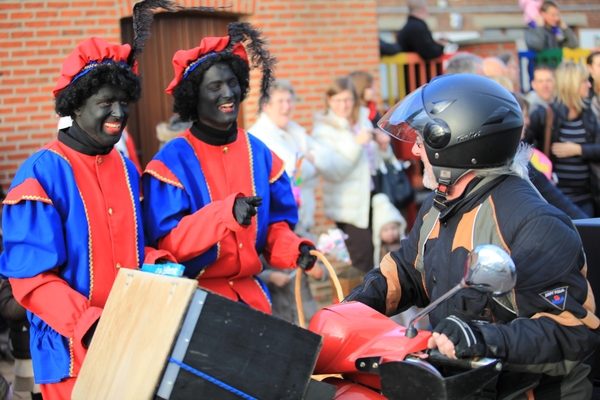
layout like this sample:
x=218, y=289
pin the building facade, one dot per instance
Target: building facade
x=314, y=41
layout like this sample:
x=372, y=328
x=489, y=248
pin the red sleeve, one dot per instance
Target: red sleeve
x=198, y=232
x=277, y=168
x=56, y=303
x=160, y=171
x=283, y=246
x=29, y=189
x=152, y=254
x=132, y=151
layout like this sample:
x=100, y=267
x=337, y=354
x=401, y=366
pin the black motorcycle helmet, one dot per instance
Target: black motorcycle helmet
x=465, y=122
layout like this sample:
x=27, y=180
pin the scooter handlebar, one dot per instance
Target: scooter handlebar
x=435, y=357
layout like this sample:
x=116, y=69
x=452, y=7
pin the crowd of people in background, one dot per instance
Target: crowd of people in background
x=560, y=104
x=342, y=151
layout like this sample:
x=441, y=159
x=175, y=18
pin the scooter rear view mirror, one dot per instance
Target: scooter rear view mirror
x=488, y=269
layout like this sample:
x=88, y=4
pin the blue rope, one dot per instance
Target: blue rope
x=211, y=379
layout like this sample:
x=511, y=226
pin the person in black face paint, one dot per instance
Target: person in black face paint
x=72, y=216
x=216, y=197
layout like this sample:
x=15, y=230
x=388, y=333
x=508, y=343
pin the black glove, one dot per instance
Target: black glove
x=468, y=340
x=87, y=338
x=306, y=261
x=244, y=209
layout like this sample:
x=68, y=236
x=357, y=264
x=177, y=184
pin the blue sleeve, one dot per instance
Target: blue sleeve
x=163, y=207
x=33, y=239
x=283, y=206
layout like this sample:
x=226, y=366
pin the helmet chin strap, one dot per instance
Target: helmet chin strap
x=441, y=194
x=445, y=181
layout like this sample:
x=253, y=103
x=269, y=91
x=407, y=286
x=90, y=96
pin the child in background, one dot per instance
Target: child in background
x=531, y=12
x=389, y=227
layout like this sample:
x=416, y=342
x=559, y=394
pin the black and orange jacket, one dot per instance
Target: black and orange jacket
x=546, y=325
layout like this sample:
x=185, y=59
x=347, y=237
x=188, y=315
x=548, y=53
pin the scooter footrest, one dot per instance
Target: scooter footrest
x=420, y=380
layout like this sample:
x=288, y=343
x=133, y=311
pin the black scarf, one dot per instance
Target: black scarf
x=212, y=136
x=468, y=199
x=75, y=138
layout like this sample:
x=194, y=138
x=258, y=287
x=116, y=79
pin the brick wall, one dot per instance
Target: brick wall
x=314, y=40
x=473, y=10
x=489, y=49
x=35, y=37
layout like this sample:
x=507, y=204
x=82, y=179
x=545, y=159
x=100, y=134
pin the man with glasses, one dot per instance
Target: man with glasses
x=466, y=129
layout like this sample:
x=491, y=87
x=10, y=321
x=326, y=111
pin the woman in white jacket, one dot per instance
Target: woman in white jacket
x=355, y=148
x=304, y=160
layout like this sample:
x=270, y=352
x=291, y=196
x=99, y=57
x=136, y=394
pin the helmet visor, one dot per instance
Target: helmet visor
x=407, y=119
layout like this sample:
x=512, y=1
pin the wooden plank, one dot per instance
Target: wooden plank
x=255, y=353
x=134, y=337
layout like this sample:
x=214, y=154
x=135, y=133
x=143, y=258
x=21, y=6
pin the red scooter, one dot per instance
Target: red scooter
x=372, y=357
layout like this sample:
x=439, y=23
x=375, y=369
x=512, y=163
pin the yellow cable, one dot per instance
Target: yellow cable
x=298, y=295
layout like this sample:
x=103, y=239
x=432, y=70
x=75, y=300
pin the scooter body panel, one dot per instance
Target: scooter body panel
x=352, y=331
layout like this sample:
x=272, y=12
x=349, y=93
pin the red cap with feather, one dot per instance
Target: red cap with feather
x=185, y=61
x=89, y=54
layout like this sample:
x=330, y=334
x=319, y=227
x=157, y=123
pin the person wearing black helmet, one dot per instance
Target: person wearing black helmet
x=466, y=129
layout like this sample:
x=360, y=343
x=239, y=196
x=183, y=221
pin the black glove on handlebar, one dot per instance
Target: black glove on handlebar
x=244, y=209
x=468, y=340
x=306, y=261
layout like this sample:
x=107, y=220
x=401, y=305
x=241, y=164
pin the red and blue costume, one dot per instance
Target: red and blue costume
x=189, y=191
x=70, y=222
x=72, y=216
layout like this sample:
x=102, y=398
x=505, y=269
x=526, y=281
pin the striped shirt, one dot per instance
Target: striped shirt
x=573, y=172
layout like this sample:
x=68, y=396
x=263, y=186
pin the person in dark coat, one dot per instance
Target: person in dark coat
x=415, y=36
x=553, y=34
x=16, y=317
x=545, y=327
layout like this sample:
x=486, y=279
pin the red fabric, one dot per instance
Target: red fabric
x=372, y=110
x=92, y=49
x=245, y=288
x=183, y=58
x=230, y=177
x=52, y=299
x=111, y=217
x=198, y=232
x=63, y=308
x=152, y=255
x=283, y=246
x=231, y=274
x=111, y=221
x=132, y=151
x=230, y=172
x=159, y=170
x=277, y=168
x=58, y=391
x=29, y=189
